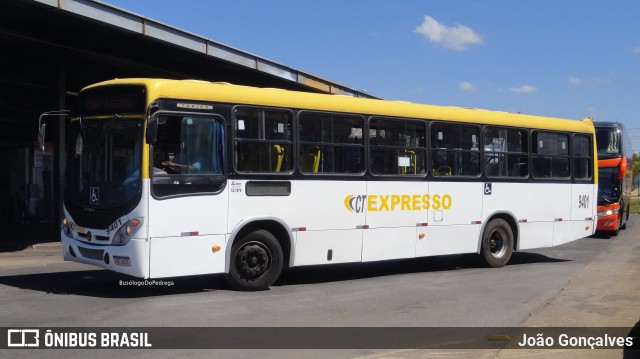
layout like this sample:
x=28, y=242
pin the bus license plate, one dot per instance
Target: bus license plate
x=122, y=261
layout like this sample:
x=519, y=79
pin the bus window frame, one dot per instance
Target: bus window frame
x=430, y=149
x=573, y=157
x=527, y=153
x=225, y=175
x=233, y=140
x=368, y=148
x=298, y=144
x=534, y=144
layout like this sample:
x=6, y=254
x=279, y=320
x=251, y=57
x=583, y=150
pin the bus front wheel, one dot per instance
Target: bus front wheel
x=497, y=243
x=255, y=262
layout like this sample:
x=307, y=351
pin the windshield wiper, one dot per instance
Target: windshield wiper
x=103, y=135
x=106, y=130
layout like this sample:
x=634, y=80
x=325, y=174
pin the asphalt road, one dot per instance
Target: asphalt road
x=592, y=282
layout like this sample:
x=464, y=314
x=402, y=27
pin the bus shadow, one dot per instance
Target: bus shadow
x=6, y=248
x=603, y=235
x=105, y=284
x=532, y=258
x=354, y=271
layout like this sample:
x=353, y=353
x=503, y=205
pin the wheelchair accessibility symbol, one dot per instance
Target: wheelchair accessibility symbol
x=487, y=189
x=94, y=195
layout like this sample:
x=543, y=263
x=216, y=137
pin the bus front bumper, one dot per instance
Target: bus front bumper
x=129, y=259
x=608, y=217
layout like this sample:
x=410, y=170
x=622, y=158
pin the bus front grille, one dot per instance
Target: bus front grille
x=98, y=238
x=96, y=254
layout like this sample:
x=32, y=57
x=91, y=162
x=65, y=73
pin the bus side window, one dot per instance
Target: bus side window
x=397, y=146
x=505, y=152
x=550, y=157
x=581, y=154
x=330, y=143
x=444, y=142
x=188, y=156
x=263, y=141
x=455, y=150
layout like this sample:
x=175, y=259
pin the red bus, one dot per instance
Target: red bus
x=614, y=176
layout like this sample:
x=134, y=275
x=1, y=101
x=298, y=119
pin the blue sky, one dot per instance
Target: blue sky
x=558, y=58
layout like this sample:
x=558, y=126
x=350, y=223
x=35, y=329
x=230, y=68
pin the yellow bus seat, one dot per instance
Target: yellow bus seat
x=310, y=161
x=278, y=151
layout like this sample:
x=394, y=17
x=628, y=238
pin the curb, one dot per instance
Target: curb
x=45, y=246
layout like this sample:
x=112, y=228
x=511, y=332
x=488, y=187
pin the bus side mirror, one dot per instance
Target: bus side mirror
x=41, y=134
x=152, y=130
x=42, y=126
x=623, y=168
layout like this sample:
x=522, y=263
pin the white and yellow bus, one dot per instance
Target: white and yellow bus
x=170, y=178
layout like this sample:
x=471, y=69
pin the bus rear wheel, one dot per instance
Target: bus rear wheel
x=255, y=262
x=497, y=243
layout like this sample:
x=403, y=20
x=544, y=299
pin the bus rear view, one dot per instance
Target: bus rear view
x=614, y=173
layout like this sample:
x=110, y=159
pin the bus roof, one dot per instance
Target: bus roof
x=608, y=124
x=227, y=93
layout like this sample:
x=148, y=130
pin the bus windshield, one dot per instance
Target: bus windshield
x=104, y=162
x=608, y=140
x=608, y=185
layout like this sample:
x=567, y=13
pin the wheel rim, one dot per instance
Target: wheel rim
x=253, y=259
x=498, y=243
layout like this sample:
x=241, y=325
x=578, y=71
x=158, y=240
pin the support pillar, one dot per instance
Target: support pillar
x=59, y=142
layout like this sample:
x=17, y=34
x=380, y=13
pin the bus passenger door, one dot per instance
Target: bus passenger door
x=394, y=212
x=455, y=195
x=189, y=200
x=455, y=214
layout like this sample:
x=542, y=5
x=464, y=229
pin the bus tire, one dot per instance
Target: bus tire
x=256, y=261
x=497, y=243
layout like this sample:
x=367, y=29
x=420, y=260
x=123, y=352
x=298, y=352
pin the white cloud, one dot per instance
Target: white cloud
x=467, y=86
x=457, y=37
x=635, y=50
x=523, y=89
x=575, y=80
x=591, y=82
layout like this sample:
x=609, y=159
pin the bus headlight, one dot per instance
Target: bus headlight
x=66, y=226
x=125, y=232
x=608, y=212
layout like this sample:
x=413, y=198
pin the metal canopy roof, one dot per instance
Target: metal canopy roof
x=137, y=24
x=53, y=48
